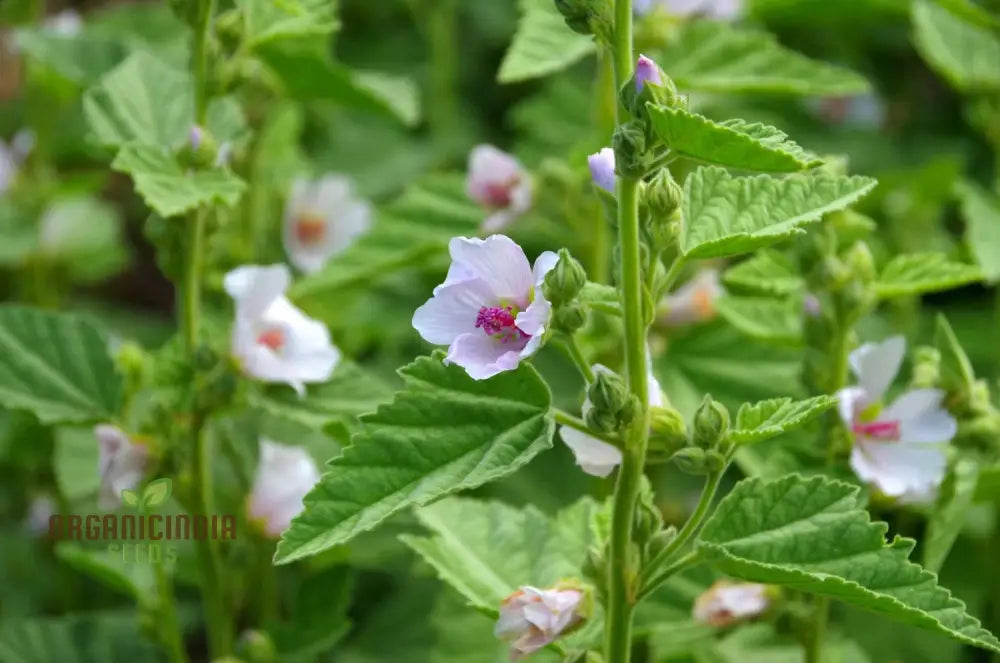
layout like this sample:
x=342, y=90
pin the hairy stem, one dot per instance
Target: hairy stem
x=566, y=419
x=576, y=354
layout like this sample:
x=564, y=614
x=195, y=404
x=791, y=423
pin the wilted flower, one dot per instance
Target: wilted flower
x=490, y=310
x=322, y=218
x=497, y=181
x=646, y=71
x=725, y=603
x=285, y=474
x=899, y=449
x=717, y=9
x=121, y=463
x=694, y=301
x=532, y=618
x=602, y=169
x=273, y=340
x=597, y=457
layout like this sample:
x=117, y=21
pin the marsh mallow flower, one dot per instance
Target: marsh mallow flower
x=322, y=218
x=272, y=339
x=498, y=182
x=725, y=603
x=602, y=169
x=900, y=448
x=533, y=618
x=694, y=301
x=285, y=474
x=646, y=71
x=121, y=464
x=490, y=311
x=597, y=457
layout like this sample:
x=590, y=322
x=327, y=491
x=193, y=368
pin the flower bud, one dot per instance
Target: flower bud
x=587, y=17
x=711, y=423
x=631, y=156
x=667, y=430
x=602, y=169
x=649, y=84
x=608, y=392
x=659, y=541
x=860, y=263
x=926, y=368
x=648, y=519
x=569, y=317
x=257, y=647
x=564, y=281
x=201, y=149
x=691, y=460
x=647, y=71
x=663, y=196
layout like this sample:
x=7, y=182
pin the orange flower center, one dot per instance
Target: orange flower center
x=272, y=338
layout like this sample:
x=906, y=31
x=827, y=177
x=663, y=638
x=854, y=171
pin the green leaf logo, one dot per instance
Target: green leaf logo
x=157, y=492
x=130, y=497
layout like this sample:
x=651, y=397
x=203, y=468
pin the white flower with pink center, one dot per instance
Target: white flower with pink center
x=900, y=448
x=694, y=301
x=498, y=182
x=597, y=457
x=272, y=339
x=533, y=618
x=725, y=603
x=285, y=474
x=323, y=218
x=490, y=310
x=121, y=463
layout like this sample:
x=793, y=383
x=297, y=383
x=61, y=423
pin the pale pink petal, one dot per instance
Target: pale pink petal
x=498, y=261
x=921, y=417
x=489, y=165
x=285, y=474
x=595, y=457
x=897, y=468
x=535, y=318
x=452, y=311
x=876, y=365
x=544, y=263
x=482, y=356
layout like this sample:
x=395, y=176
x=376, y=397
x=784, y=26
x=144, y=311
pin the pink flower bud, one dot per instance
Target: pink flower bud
x=602, y=169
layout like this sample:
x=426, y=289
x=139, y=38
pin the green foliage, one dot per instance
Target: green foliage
x=56, y=366
x=766, y=272
x=445, y=432
x=85, y=639
x=948, y=517
x=486, y=550
x=106, y=567
x=956, y=370
x=760, y=421
x=714, y=57
x=74, y=460
x=732, y=143
x=813, y=535
x=267, y=20
x=543, y=44
x=962, y=51
x=764, y=318
x=725, y=215
x=917, y=273
x=981, y=211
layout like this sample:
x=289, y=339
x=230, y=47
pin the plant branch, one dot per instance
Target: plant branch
x=692, y=558
x=572, y=348
x=566, y=419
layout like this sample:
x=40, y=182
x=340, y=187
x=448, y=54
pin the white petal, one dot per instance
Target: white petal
x=897, y=468
x=921, y=417
x=482, y=356
x=544, y=263
x=850, y=402
x=656, y=398
x=498, y=261
x=876, y=365
x=285, y=474
x=595, y=457
x=452, y=311
x=254, y=288
x=488, y=165
x=534, y=319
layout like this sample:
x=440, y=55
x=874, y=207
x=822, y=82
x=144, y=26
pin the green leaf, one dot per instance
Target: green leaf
x=918, y=273
x=964, y=53
x=82, y=58
x=725, y=215
x=75, y=462
x=410, y=231
x=956, y=370
x=948, y=516
x=57, y=366
x=84, y=235
x=543, y=44
x=106, y=566
x=813, y=535
x=142, y=100
x=130, y=497
x=308, y=73
x=601, y=297
x=267, y=20
x=350, y=392
x=733, y=143
x=168, y=189
x=486, y=550
x=714, y=57
x=766, y=419
x=764, y=318
x=91, y=638
x=766, y=272
x=156, y=492
x=443, y=433
x=981, y=210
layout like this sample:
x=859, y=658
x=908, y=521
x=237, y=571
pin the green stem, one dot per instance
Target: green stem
x=566, y=419
x=170, y=632
x=814, y=651
x=690, y=559
x=572, y=348
x=441, y=35
x=672, y=275
x=190, y=305
x=690, y=528
x=202, y=46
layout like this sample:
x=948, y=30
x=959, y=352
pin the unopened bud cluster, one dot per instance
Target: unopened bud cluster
x=562, y=288
x=613, y=406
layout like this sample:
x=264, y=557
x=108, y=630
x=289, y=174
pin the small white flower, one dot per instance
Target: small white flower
x=532, y=618
x=273, y=340
x=725, y=603
x=717, y=9
x=694, y=301
x=490, y=310
x=497, y=181
x=597, y=457
x=67, y=23
x=322, y=218
x=602, y=169
x=285, y=474
x=899, y=449
x=121, y=464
